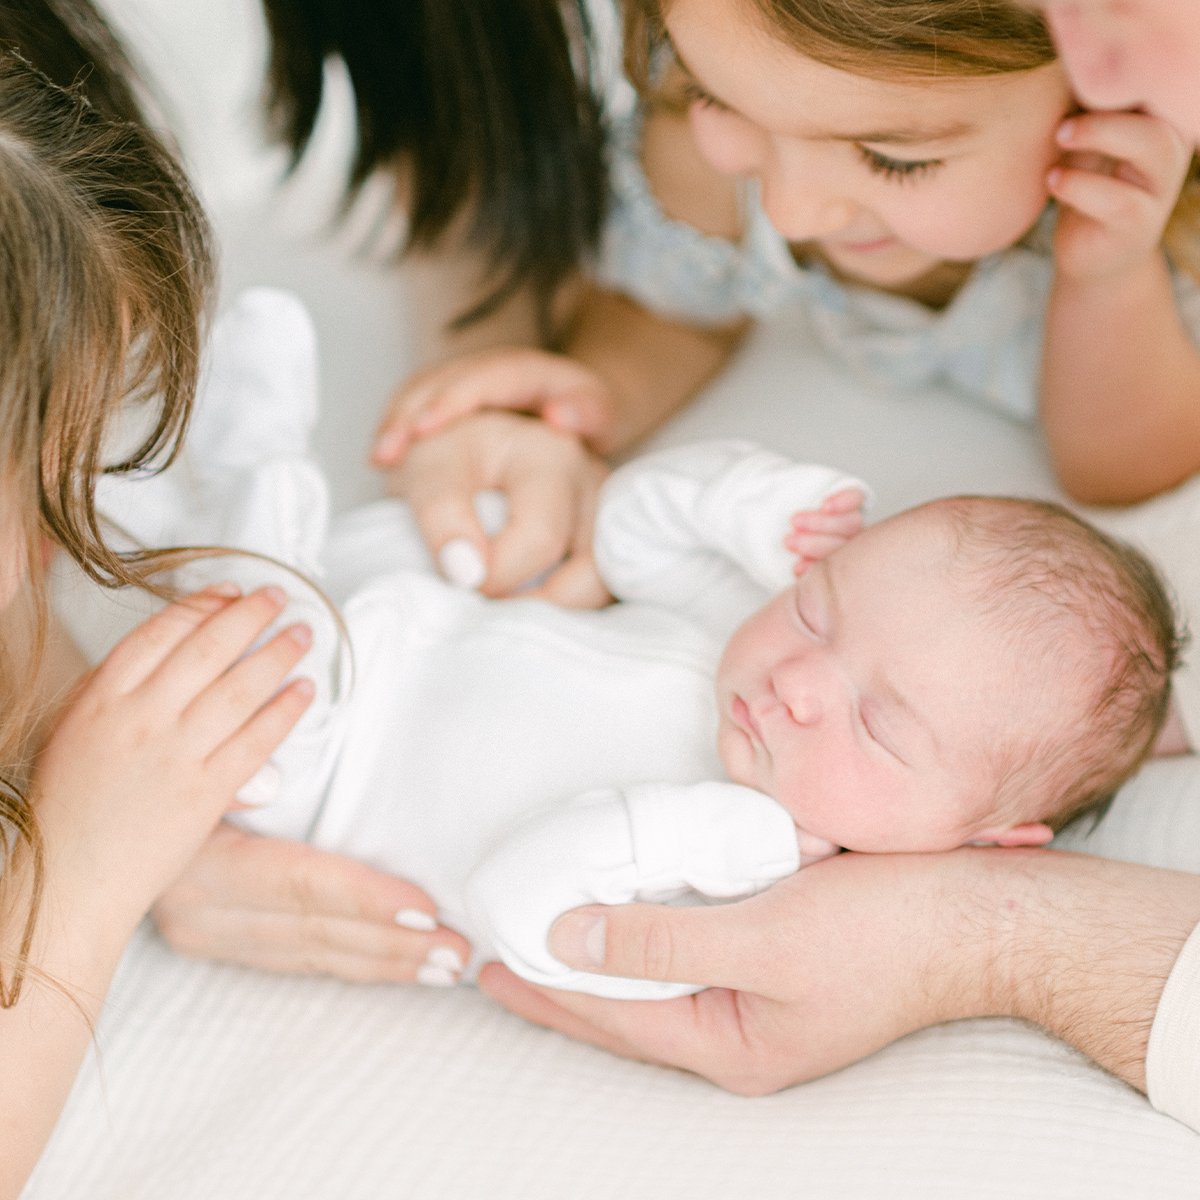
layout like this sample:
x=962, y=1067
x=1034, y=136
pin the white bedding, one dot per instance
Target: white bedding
x=217, y=1083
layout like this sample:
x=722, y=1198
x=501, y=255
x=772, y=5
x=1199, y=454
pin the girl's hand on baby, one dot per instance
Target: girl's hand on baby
x=286, y=906
x=817, y=533
x=157, y=740
x=1117, y=184
x=550, y=481
x=564, y=393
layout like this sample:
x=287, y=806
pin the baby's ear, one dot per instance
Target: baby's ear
x=1015, y=835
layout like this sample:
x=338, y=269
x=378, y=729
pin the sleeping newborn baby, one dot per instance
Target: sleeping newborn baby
x=972, y=670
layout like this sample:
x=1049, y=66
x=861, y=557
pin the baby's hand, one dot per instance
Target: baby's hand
x=817, y=533
x=550, y=481
x=563, y=392
x=149, y=753
x=1117, y=184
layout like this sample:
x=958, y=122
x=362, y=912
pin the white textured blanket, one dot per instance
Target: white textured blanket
x=216, y=1083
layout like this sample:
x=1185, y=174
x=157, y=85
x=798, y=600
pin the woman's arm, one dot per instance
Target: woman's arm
x=843, y=958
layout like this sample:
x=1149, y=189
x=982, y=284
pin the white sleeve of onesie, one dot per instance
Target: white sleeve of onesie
x=1172, y=1077
x=648, y=842
x=676, y=526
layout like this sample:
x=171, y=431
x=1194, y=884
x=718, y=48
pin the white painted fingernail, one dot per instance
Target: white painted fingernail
x=436, y=977
x=445, y=957
x=415, y=918
x=461, y=563
x=262, y=787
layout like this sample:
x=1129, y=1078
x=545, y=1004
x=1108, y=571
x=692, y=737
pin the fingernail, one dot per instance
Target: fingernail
x=462, y=564
x=262, y=787
x=416, y=918
x=1053, y=176
x=577, y=938
x=445, y=957
x=436, y=977
x=230, y=591
x=301, y=635
x=276, y=595
x=1066, y=131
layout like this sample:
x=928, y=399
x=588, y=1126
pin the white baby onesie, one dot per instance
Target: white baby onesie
x=516, y=759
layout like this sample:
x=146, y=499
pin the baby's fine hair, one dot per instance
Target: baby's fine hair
x=1097, y=614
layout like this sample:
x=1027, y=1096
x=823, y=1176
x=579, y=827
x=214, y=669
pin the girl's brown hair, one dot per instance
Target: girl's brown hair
x=105, y=258
x=907, y=40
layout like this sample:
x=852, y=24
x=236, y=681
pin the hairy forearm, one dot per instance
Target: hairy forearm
x=1081, y=946
x=652, y=365
x=1120, y=396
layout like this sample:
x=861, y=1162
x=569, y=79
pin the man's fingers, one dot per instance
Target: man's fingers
x=707, y=1034
x=718, y=946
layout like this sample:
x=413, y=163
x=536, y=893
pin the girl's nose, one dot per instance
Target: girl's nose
x=800, y=205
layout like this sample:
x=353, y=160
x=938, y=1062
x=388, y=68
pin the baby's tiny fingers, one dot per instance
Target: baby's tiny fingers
x=847, y=500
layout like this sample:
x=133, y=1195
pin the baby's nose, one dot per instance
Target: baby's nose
x=801, y=688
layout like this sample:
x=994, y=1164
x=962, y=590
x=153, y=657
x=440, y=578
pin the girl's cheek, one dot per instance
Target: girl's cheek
x=725, y=140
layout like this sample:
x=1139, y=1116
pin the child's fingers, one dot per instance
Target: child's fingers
x=523, y=380
x=236, y=761
x=212, y=647
x=1105, y=199
x=816, y=545
x=142, y=651
x=223, y=707
x=1155, y=151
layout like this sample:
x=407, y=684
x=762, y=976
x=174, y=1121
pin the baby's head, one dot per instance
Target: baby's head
x=975, y=669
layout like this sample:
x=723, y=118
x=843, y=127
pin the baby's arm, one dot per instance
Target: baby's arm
x=650, y=842
x=1120, y=399
x=691, y=526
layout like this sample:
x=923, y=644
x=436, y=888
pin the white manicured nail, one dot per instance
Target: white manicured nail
x=415, y=918
x=445, y=957
x=436, y=977
x=462, y=564
x=262, y=787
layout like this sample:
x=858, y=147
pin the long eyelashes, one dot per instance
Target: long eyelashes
x=897, y=168
x=693, y=93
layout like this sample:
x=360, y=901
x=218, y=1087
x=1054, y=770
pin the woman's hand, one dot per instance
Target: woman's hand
x=845, y=956
x=157, y=740
x=564, y=393
x=284, y=906
x=1117, y=183
x=550, y=482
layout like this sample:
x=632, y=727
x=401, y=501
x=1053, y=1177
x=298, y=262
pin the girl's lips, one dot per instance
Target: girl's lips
x=868, y=247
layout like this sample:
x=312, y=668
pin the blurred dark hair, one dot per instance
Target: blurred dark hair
x=482, y=108
x=68, y=41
